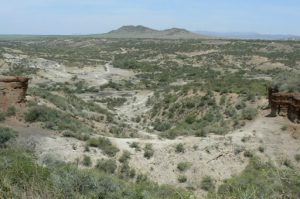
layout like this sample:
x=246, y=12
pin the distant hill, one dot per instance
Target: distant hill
x=248, y=35
x=144, y=32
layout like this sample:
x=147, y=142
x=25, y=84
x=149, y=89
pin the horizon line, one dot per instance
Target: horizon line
x=242, y=33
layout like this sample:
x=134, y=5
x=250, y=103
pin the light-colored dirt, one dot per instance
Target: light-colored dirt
x=49, y=144
x=56, y=72
x=192, y=54
x=215, y=156
x=136, y=105
x=267, y=132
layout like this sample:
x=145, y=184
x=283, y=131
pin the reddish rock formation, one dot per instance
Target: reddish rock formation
x=12, y=91
x=282, y=102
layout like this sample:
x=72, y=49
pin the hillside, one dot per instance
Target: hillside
x=144, y=32
x=146, y=118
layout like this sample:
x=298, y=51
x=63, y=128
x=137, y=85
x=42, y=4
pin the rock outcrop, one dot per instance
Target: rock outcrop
x=283, y=102
x=12, y=91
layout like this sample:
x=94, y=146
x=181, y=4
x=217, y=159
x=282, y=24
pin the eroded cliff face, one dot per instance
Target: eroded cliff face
x=286, y=103
x=12, y=91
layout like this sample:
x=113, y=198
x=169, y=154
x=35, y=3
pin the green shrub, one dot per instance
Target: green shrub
x=87, y=161
x=201, y=133
x=2, y=117
x=105, y=145
x=183, y=166
x=261, y=149
x=261, y=180
x=248, y=154
x=114, y=102
x=108, y=166
x=79, y=136
x=240, y=105
x=72, y=103
x=182, y=178
x=138, y=119
x=179, y=148
x=21, y=69
x=20, y=176
x=56, y=120
x=238, y=150
x=125, y=157
x=135, y=145
x=230, y=111
x=93, y=142
x=222, y=100
x=297, y=157
x=171, y=134
x=126, y=172
x=249, y=113
x=190, y=119
x=141, y=178
x=11, y=111
x=287, y=163
x=162, y=126
x=6, y=134
x=207, y=184
x=148, y=151
x=86, y=148
x=245, y=138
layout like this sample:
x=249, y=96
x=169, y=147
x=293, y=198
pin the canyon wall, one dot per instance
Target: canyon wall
x=12, y=91
x=285, y=103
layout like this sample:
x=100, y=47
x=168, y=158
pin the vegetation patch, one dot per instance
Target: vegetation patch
x=261, y=180
x=148, y=151
x=57, y=120
x=87, y=161
x=2, y=117
x=108, y=166
x=105, y=145
x=70, y=103
x=179, y=148
x=182, y=178
x=6, y=135
x=183, y=166
x=125, y=157
x=20, y=176
x=11, y=111
x=207, y=183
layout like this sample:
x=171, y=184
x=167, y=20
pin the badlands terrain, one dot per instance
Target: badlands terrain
x=162, y=118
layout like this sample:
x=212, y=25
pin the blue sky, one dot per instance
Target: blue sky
x=98, y=16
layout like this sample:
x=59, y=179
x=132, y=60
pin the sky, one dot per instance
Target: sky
x=99, y=16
